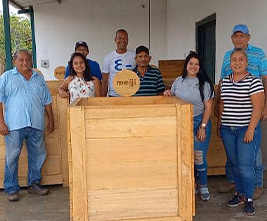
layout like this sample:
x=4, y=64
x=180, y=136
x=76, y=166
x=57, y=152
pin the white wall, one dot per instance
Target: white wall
x=182, y=16
x=60, y=26
x=158, y=35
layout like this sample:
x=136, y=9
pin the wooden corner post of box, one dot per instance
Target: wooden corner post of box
x=79, y=194
x=185, y=161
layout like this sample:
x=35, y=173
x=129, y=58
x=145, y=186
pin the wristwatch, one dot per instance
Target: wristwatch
x=203, y=126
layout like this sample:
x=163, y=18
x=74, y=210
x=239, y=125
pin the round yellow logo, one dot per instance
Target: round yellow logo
x=126, y=83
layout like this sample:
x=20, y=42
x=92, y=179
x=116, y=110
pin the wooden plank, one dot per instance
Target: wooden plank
x=216, y=171
x=155, y=219
x=128, y=101
x=149, y=202
x=52, y=148
x=216, y=156
x=129, y=111
x=63, y=109
x=70, y=165
x=80, y=203
x=127, y=127
x=133, y=162
x=52, y=166
x=171, y=68
x=131, y=149
x=46, y=180
x=185, y=175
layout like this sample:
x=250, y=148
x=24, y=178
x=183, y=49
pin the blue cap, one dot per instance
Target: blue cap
x=241, y=28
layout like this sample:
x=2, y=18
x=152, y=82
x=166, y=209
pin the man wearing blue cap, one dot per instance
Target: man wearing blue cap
x=257, y=66
x=82, y=47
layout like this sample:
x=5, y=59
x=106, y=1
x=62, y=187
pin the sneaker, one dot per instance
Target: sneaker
x=36, y=188
x=12, y=197
x=204, y=193
x=249, y=210
x=257, y=193
x=226, y=188
x=236, y=201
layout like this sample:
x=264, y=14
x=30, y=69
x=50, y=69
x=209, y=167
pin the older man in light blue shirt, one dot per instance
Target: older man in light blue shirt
x=26, y=97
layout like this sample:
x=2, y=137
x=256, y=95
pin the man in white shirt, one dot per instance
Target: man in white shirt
x=115, y=61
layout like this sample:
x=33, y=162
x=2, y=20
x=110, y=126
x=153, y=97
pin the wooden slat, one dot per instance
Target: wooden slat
x=171, y=68
x=139, y=127
x=129, y=111
x=147, y=203
x=52, y=166
x=63, y=116
x=115, y=101
x=185, y=177
x=46, y=180
x=70, y=168
x=131, y=149
x=117, y=163
x=156, y=219
x=80, y=203
x=52, y=148
x=216, y=156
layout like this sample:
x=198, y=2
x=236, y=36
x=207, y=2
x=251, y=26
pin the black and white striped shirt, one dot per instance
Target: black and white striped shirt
x=238, y=108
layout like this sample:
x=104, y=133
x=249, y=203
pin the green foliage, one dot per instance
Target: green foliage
x=20, y=31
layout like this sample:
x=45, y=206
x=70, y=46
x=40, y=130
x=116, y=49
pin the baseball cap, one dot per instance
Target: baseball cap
x=241, y=28
x=81, y=43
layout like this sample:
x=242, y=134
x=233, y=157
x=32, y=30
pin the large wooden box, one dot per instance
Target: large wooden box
x=131, y=159
x=55, y=168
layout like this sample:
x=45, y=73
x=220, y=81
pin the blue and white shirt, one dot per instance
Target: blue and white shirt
x=114, y=63
x=257, y=63
x=24, y=100
x=151, y=84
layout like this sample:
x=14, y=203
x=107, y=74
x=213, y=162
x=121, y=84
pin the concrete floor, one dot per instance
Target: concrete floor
x=55, y=206
x=217, y=210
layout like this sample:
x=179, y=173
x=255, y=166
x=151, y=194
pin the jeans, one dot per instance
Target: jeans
x=258, y=166
x=200, y=152
x=36, y=156
x=242, y=156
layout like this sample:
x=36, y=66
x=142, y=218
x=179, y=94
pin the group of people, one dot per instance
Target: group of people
x=240, y=104
x=83, y=76
x=240, y=107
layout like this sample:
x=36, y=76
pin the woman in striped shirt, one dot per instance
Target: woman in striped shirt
x=242, y=100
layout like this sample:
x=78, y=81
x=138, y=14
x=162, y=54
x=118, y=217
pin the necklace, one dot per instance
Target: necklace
x=240, y=79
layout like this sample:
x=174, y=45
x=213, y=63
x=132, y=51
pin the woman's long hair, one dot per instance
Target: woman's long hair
x=86, y=75
x=201, y=75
